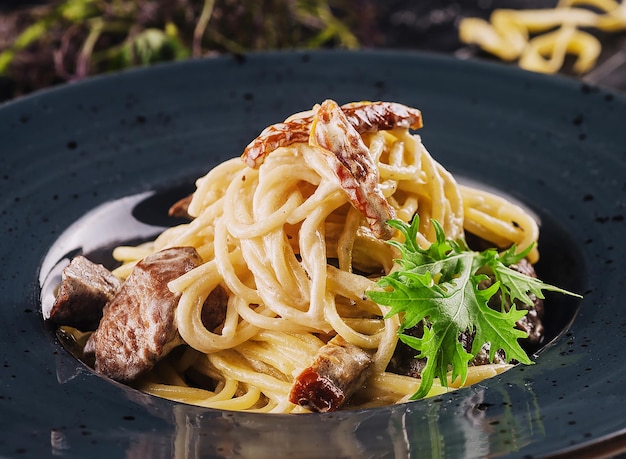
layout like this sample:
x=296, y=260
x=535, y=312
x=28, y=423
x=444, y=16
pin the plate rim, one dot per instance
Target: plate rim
x=138, y=72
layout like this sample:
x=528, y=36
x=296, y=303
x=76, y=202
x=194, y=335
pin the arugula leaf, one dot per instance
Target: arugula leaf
x=513, y=284
x=438, y=286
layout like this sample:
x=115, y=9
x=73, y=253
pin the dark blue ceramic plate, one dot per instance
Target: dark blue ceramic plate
x=88, y=165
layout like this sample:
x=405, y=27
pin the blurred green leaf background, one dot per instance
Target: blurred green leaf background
x=57, y=41
x=48, y=42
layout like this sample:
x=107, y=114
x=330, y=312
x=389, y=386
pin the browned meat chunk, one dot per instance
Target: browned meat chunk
x=276, y=136
x=180, y=208
x=85, y=288
x=482, y=357
x=363, y=116
x=403, y=361
x=214, y=308
x=138, y=328
x=353, y=166
x=339, y=369
x=382, y=116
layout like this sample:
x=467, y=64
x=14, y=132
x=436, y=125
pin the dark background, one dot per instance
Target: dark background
x=245, y=26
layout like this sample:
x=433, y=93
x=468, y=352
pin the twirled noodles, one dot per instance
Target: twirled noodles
x=296, y=258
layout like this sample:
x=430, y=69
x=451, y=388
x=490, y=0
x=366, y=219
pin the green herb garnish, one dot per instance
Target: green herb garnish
x=439, y=286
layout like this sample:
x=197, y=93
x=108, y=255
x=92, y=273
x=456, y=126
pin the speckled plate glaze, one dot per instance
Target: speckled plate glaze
x=86, y=165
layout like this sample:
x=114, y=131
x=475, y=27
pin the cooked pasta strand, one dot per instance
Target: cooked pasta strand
x=270, y=237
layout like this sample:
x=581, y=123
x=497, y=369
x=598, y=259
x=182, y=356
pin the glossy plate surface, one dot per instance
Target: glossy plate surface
x=88, y=164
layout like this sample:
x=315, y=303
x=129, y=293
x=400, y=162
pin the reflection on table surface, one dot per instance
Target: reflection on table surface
x=483, y=428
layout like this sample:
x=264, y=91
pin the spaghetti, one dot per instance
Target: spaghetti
x=295, y=255
x=541, y=39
